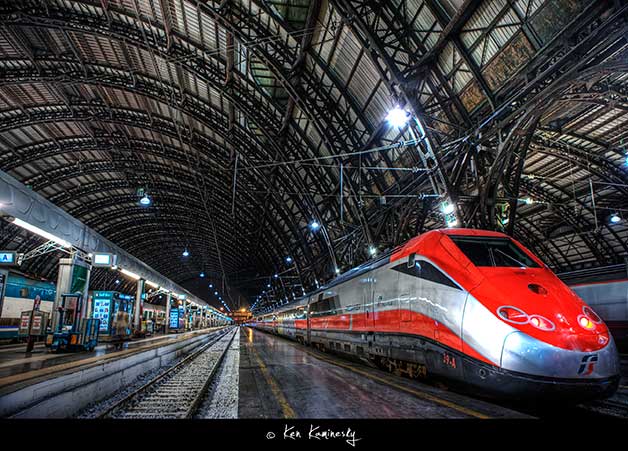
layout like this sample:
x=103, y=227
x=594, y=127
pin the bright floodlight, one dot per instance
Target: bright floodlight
x=398, y=117
x=288, y=259
x=314, y=225
x=615, y=218
x=202, y=274
x=447, y=207
x=145, y=200
x=186, y=252
x=372, y=250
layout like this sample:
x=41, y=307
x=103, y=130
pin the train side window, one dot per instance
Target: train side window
x=431, y=273
x=426, y=271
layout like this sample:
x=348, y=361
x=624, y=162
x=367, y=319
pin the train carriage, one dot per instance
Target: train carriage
x=471, y=306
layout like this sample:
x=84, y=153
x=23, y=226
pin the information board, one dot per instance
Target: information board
x=174, y=318
x=38, y=323
x=25, y=322
x=8, y=258
x=102, y=307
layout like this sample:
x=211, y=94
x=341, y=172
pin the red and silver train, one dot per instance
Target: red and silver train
x=470, y=306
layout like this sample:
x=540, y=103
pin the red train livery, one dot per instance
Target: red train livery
x=471, y=306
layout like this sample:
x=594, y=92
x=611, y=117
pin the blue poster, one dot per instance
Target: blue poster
x=174, y=318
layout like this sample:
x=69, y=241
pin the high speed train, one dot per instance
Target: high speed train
x=470, y=306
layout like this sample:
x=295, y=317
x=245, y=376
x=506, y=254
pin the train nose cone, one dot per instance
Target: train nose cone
x=525, y=354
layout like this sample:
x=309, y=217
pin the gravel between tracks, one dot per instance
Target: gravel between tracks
x=93, y=410
x=223, y=393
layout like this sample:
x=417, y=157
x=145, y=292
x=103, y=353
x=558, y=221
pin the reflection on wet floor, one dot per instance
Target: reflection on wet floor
x=282, y=379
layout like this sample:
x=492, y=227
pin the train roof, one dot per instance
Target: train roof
x=398, y=252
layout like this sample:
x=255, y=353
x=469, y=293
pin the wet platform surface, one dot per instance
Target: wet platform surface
x=283, y=379
x=15, y=361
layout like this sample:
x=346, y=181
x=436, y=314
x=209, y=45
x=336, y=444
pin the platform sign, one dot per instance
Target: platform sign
x=103, y=260
x=25, y=322
x=38, y=324
x=174, y=319
x=8, y=258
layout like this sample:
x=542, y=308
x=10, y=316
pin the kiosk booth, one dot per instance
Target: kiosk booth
x=106, y=305
x=73, y=333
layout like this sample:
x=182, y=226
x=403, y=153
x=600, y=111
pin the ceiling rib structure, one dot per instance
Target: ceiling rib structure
x=246, y=120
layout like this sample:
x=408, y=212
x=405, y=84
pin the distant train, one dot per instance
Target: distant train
x=470, y=306
x=20, y=293
x=610, y=300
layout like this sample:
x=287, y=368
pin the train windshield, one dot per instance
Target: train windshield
x=493, y=251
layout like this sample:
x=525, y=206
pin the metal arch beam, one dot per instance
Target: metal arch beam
x=542, y=194
x=280, y=62
x=538, y=242
x=80, y=143
x=141, y=85
x=70, y=172
x=129, y=117
x=88, y=23
x=396, y=83
x=193, y=62
x=18, y=201
x=398, y=77
x=87, y=144
x=602, y=168
x=276, y=236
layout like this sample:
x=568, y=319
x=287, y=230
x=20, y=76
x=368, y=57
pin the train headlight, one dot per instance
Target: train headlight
x=589, y=313
x=542, y=323
x=585, y=322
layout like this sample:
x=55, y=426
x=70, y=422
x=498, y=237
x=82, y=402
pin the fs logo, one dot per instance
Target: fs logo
x=587, y=366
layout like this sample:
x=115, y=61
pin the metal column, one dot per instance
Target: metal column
x=139, y=303
x=168, y=301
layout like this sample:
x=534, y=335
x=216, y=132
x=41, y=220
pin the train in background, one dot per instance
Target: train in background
x=21, y=290
x=606, y=290
x=470, y=306
x=19, y=295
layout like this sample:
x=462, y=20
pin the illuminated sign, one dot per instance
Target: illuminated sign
x=8, y=258
x=102, y=306
x=104, y=260
x=174, y=318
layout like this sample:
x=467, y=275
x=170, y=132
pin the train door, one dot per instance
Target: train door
x=409, y=291
x=309, y=321
x=368, y=303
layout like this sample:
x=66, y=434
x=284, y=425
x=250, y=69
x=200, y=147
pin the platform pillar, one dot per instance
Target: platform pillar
x=73, y=277
x=168, y=301
x=139, y=305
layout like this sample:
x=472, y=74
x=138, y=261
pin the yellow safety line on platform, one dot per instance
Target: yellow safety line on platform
x=8, y=380
x=288, y=412
x=417, y=393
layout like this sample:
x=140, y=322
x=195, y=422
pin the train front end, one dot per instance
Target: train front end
x=535, y=338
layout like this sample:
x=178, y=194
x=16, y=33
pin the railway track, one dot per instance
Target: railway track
x=177, y=392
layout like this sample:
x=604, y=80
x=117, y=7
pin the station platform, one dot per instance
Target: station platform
x=16, y=365
x=283, y=379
